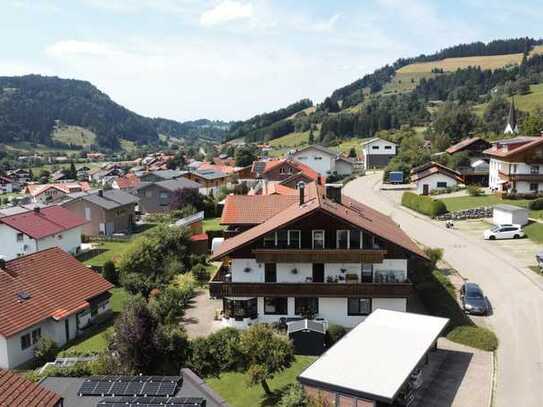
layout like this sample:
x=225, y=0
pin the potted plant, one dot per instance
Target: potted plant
x=351, y=277
x=294, y=270
x=329, y=279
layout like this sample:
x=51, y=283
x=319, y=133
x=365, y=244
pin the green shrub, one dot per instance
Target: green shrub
x=536, y=204
x=423, y=204
x=170, y=304
x=293, y=397
x=110, y=272
x=334, y=333
x=46, y=350
x=216, y=353
x=474, y=190
x=201, y=274
x=435, y=255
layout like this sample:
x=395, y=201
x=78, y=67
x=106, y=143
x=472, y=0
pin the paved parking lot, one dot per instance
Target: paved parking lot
x=456, y=376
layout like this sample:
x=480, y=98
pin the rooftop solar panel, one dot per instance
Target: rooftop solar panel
x=130, y=386
x=152, y=402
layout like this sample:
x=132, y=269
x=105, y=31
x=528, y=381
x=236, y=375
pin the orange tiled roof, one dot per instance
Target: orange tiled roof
x=253, y=209
x=462, y=144
x=226, y=169
x=127, y=181
x=58, y=285
x=431, y=168
x=66, y=187
x=15, y=391
x=349, y=210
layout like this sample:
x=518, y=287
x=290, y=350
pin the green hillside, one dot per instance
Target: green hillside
x=526, y=103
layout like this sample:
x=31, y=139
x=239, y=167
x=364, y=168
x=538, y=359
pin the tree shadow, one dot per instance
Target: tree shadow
x=274, y=398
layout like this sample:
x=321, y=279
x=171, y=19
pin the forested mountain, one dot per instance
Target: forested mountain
x=30, y=106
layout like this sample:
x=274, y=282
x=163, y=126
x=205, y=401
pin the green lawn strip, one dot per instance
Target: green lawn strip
x=534, y=231
x=439, y=297
x=212, y=224
x=467, y=202
x=94, y=340
x=233, y=387
x=111, y=249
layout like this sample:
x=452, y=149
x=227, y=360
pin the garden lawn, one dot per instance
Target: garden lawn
x=111, y=249
x=95, y=341
x=233, y=386
x=212, y=224
x=467, y=202
x=534, y=231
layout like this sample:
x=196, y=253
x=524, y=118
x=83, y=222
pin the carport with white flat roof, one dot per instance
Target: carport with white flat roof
x=373, y=363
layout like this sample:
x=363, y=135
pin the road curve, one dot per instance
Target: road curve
x=516, y=294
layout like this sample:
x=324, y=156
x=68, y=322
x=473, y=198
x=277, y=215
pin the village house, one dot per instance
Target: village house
x=20, y=175
x=161, y=175
x=38, y=229
x=48, y=293
x=128, y=182
x=377, y=153
x=324, y=252
x=106, y=212
x=157, y=197
x=516, y=165
x=54, y=193
x=324, y=161
x=210, y=180
x=278, y=170
x=474, y=168
x=433, y=176
x=7, y=185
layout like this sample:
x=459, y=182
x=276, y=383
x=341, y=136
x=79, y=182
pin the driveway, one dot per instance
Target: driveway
x=515, y=292
x=199, y=319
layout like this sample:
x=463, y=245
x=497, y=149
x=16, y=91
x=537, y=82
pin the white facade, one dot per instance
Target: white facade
x=334, y=310
x=323, y=162
x=12, y=353
x=508, y=214
x=15, y=243
x=435, y=181
x=521, y=187
x=6, y=188
x=377, y=152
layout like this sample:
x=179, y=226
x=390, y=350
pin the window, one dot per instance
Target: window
x=59, y=237
x=25, y=342
x=534, y=169
x=442, y=184
x=240, y=309
x=269, y=240
x=375, y=147
x=318, y=239
x=306, y=305
x=317, y=158
x=388, y=147
x=87, y=213
x=270, y=273
x=342, y=239
x=294, y=239
x=367, y=273
x=148, y=194
x=275, y=306
x=354, y=240
x=534, y=187
x=281, y=170
x=20, y=237
x=282, y=239
x=358, y=306
x=164, y=195
x=36, y=335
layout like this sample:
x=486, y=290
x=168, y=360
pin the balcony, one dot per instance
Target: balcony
x=319, y=255
x=518, y=177
x=220, y=287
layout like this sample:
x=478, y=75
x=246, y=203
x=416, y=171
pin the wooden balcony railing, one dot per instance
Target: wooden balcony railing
x=521, y=177
x=379, y=290
x=319, y=255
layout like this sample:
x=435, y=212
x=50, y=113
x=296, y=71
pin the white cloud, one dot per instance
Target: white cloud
x=225, y=12
x=68, y=48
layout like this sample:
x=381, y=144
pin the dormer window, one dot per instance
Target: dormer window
x=318, y=239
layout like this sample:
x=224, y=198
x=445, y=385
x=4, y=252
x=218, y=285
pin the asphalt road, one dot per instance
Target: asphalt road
x=516, y=293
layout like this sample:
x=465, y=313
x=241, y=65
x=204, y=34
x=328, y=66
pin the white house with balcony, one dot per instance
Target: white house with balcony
x=325, y=256
x=324, y=161
x=377, y=153
x=516, y=165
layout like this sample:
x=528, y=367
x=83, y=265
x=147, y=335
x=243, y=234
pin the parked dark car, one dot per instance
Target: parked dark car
x=473, y=299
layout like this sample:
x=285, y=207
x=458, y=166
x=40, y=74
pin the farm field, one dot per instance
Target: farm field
x=73, y=135
x=292, y=140
x=526, y=103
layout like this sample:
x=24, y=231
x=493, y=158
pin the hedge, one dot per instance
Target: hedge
x=536, y=204
x=423, y=204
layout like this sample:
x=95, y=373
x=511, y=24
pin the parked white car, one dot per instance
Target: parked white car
x=504, y=231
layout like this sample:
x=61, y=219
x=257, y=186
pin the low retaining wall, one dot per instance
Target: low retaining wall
x=474, y=213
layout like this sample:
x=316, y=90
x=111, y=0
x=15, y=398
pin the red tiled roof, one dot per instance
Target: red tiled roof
x=58, y=285
x=66, y=187
x=253, y=209
x=226, y=169
x=463, y=144
x=199, y=237
x=48, y=221
x=349, y=210
x=431, y=168
x=276, y=188
x=524, y=144
x=127, y=181
x=16, y=391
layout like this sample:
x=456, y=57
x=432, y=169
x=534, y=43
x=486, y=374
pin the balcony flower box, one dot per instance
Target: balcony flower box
x=351, y=278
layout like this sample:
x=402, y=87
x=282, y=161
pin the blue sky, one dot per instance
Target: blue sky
x=230, y=59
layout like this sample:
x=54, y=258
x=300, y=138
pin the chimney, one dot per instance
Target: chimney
x=333, y=192
x=301, y=188
x=2, y=263
x=101, y=193
x=37, y=209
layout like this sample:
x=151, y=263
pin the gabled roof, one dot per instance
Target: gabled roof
x=111, y=199
x=326, y=151
x=66, y=187
x=127, y=181
x=349, y=211
x=15, y=390
x=464, y=144
x=43, y=222
x=522, y=144
x=226, y=169
x=57, y=284
x=374, y=139
x=306, y=325
x=253, y=209
x=209, y=174
x=5, y=180
x=172, y=185
x=169, y=174
x=432, y=168
x=264, y=167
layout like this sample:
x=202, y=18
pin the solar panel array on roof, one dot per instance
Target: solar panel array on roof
x=152, y=402
x=163, y=386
